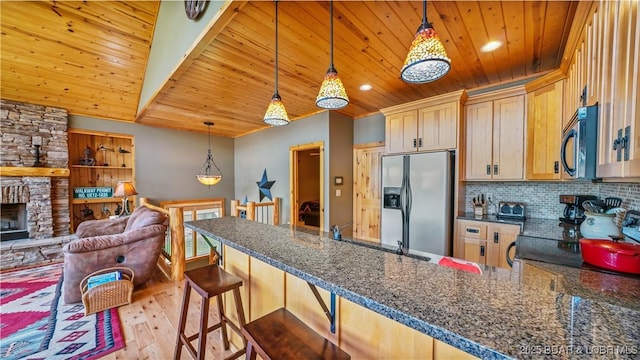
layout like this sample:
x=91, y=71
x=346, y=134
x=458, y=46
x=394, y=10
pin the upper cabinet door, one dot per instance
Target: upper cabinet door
x=478, y=143
x=544, y=131
x=438, y=127
x=508, y=138
x=401, y=132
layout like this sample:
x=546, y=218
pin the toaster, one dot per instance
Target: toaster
x=510, y=210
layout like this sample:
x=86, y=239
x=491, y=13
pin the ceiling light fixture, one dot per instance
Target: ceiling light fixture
x=332, y=94
x=427, y=59
x=491, y=45
x=276, y=114
x=365, y=87
x=210, y=173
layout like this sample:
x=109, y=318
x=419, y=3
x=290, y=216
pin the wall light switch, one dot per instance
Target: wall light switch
x=338, y=192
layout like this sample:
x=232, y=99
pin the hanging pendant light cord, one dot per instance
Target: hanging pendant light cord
x=276, y=86
x=331, y=35
x=425, y=23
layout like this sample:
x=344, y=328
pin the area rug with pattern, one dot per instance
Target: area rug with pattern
x=36, y=324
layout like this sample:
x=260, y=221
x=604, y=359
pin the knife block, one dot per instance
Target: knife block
x=479, y=209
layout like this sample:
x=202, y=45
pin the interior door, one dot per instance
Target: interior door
x=297, y=153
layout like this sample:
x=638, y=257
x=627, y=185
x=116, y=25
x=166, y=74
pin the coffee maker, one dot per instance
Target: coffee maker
x=573, y=210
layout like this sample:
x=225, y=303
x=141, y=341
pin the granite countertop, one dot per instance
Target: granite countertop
x=535, y=311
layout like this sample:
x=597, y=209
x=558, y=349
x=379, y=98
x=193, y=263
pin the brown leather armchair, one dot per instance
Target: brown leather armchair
x=134, y=242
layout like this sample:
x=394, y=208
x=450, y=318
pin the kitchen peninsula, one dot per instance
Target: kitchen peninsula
x=394, y=306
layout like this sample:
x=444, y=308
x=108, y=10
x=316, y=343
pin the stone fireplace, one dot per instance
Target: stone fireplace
x=34, y=199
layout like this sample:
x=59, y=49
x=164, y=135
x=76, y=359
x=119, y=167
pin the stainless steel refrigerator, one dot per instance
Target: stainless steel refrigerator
x=417, y=202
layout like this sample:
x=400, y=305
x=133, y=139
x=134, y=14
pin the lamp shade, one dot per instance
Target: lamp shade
x=209, y=179
x=276, y=114
x=332, y=94
x=124, y=189
x=427, y=59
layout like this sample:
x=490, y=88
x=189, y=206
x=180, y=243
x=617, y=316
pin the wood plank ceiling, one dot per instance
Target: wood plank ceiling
x=89, y=57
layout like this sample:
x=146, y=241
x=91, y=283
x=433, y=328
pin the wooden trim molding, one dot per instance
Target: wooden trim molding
x=459, y=95
x=498, y=94
x=33, y=171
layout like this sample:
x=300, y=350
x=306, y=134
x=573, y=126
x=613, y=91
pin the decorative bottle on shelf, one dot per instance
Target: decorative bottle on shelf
x=599, y=226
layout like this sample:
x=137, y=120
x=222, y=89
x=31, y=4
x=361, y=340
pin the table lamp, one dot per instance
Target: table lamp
x=124, y=189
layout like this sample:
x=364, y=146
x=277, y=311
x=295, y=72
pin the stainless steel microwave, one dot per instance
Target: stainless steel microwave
x=579, y=148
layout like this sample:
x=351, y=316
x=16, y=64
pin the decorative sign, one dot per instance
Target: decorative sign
x=92, y=192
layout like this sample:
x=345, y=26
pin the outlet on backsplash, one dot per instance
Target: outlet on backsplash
x=489, y=197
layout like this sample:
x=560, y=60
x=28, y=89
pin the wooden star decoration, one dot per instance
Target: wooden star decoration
x=264, y=186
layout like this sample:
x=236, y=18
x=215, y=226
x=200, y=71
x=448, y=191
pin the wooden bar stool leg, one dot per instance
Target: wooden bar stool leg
x=240, y=309
x=251, y=353
x=183, y=319
x=223, y=327
x=204, y=325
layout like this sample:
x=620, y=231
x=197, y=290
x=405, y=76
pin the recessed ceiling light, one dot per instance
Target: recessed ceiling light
x=491, y=45
x=365, y=87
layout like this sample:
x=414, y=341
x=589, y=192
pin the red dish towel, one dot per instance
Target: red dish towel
x=460, y=265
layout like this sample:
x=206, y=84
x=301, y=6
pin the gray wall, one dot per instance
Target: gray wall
x=368, y=129
x=173, y=37
x=269, y=149
x=168, y=160
x=340, y=151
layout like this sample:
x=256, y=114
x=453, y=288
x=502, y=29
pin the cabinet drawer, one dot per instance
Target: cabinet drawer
x=475, y=250
x=475, y=230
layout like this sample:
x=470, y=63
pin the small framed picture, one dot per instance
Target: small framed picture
x=338, y=180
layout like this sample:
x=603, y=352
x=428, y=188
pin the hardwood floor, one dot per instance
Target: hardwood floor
x=150, y=322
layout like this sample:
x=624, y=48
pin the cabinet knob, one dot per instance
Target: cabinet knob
x=488, y=169
x=420, y=142
x=495, y=169
x=415, y=143
x=556, y=167
x=496, y=237
x=481, y=250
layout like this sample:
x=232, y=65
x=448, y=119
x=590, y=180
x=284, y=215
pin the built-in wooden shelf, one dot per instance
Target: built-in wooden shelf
x=32, y=171
x=102, y=167
x=97, y=200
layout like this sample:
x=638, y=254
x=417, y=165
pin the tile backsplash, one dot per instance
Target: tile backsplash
x=541, y=198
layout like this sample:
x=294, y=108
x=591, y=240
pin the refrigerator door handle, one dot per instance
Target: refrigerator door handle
x=409, y=196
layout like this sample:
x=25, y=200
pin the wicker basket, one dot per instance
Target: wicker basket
x=108, y=295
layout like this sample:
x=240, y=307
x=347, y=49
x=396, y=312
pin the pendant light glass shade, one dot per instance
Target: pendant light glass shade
x=332, y=94
x=427, y=59
x=276, y=114
x=210, y=173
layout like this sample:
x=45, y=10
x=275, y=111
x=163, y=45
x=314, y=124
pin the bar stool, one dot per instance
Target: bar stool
x=209, y=281
x=280, y=335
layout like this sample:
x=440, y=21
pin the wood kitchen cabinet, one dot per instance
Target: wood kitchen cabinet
x=604, y=68
x=619, y=125
x=486, y=243
x=494, y=129
x=424, y=125
x=544, y=129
